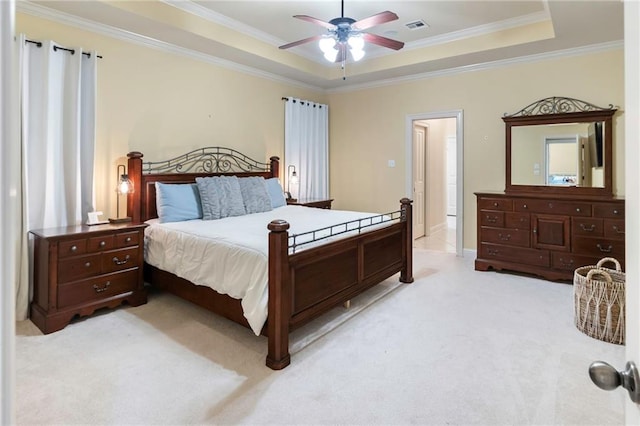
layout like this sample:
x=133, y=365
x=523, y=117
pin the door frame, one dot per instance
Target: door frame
x=459, y=116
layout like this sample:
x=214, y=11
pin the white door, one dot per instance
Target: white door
x=418, y=181
x=452, y=173
x=632, y=176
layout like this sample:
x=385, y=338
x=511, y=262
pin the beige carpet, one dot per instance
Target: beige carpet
x=456, y=347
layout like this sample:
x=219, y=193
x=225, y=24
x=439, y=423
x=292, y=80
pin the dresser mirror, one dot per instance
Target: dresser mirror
x=560, y=146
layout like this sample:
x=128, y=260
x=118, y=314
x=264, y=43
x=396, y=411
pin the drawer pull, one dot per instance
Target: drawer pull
x=566, y=264
x=74, y=248
x=524, y=206
x=493, y=252
x=584, y=227
x=550, y=205
x=101, y=289
x=535, y=230
x=102, y=244
x=604, y=250
x=578, y=209
x=121, y=262
x=495, y=204
x=504, y=237
x=492, y=219
x=87, y=265
x=127, y=240
x=618, y=231
x=615, y=212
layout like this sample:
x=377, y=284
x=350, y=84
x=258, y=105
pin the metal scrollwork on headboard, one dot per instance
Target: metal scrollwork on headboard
x=557, y=105
x=207, y=160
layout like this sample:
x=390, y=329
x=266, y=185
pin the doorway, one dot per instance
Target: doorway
x=434, y=179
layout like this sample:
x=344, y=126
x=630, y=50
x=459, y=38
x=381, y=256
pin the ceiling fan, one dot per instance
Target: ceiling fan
x=345, y=33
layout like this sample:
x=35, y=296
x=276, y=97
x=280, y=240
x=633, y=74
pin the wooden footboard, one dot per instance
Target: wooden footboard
x=307, y=284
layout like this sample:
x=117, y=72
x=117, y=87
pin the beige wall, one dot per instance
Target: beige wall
x=368, y=126
x=164, y=104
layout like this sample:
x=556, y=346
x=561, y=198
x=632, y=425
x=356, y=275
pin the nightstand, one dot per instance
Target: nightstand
x=79, y=269
x=318, y=203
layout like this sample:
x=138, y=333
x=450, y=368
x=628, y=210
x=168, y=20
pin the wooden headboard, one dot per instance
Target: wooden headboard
x=203, y=162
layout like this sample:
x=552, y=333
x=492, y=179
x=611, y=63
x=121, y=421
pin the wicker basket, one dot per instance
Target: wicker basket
x=599, y=298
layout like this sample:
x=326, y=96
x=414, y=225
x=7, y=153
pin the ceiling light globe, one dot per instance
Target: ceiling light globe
x=356, y=43
x=326, y=44
x=331, y=55
x=357, y=54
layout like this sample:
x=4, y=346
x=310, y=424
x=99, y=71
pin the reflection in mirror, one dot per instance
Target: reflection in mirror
x=564, y=154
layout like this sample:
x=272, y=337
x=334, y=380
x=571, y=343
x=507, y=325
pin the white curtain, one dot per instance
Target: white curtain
x=57, y=136
x=306, y=147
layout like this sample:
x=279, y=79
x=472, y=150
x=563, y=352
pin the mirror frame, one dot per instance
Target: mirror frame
x=554, y=110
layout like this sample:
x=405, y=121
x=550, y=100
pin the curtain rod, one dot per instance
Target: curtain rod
x=56, y=48
x=303, y=102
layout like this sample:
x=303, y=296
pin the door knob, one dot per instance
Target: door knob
x=608, y=378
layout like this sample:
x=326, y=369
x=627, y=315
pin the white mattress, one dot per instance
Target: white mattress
x=230, y=255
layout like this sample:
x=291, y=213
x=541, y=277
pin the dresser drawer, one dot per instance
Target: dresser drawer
x=587, y=226
x=603, y=247
x=517, y=220
x=495, y=204
x=609, y=210
x=75, y=268
x=117, y=260
x=511, y=237
x=492, y=218
x=553, y=207
x=101, y=287
x=570, y=262
x=515, y=254
x=614, y=228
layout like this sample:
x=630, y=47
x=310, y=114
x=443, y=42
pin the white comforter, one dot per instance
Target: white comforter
x=230, y=255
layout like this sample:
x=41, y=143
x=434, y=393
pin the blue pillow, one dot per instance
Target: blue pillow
x=254, y=194
x=220, y=197
x=275, y=193
x=177, y=202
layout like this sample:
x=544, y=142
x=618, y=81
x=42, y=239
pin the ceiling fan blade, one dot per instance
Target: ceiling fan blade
x=383, y=41
x=315, y=21
x=299, y=42
x=342, y=52
x=377, y=19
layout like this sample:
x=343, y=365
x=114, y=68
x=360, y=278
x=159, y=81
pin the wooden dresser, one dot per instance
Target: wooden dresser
x=79, y=269
x=549, y=236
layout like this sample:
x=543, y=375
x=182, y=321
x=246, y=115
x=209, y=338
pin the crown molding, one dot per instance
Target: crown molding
x=120, y=34
x=584, y=50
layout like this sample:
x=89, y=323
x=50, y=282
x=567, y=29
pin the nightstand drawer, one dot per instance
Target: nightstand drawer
x=117, y=260
x=104, y=242
x=76, y=268
x=72, y=248
x=100, y=287
x=605, y=247
x=127, y=239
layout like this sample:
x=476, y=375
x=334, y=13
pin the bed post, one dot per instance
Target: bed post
x=134, y=170
x=279, y=309
x=406, y=274
x=275, y=166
